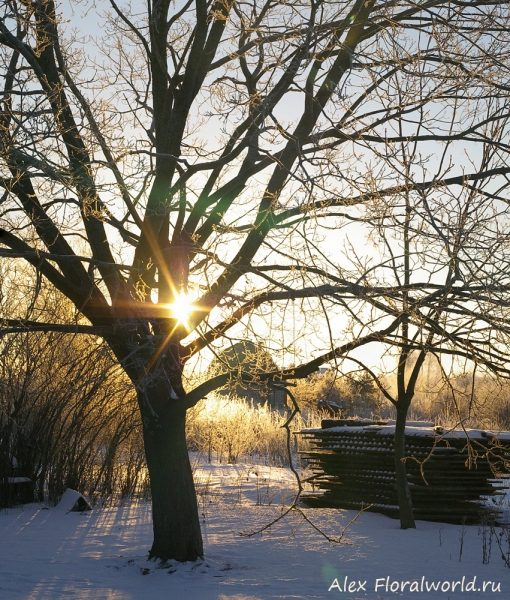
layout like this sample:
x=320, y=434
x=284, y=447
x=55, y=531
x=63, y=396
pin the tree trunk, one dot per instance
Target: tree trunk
x=404, y=495
x=176, y=524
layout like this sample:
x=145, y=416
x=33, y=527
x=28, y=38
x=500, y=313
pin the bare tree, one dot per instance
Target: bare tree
x=442, y=267
x=205, y=152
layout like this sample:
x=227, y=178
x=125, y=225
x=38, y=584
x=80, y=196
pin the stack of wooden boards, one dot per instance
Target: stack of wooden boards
x=455, y=476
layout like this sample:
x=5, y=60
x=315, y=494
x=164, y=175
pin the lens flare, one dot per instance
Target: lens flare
x=182, y=308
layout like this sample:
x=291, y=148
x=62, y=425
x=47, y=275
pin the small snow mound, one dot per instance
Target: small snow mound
x=73, y=501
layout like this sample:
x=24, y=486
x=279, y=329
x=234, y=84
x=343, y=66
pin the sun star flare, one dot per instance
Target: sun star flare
x=182, y=308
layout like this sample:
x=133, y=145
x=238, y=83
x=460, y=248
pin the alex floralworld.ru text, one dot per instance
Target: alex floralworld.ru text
x=419, y=585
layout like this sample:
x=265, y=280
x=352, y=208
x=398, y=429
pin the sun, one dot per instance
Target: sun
x=182, y=308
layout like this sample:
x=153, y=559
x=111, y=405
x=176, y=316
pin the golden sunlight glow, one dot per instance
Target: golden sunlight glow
x=182, y=308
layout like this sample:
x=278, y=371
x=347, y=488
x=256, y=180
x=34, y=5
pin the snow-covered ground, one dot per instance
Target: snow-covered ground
x=101, y=554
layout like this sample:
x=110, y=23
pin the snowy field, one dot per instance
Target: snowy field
x=101, y=554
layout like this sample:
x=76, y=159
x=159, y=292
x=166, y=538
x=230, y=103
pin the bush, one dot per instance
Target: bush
x=228, y=429
x=68, y=417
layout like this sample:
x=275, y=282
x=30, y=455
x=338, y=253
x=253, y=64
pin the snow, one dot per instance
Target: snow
x=101, y=554
x=414, y=428
x=71, y=501
x=18, y=480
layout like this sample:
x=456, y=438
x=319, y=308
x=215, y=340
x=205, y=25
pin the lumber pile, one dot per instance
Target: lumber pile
x=455, y=476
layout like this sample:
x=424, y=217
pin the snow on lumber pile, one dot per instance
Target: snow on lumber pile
x=451, y=473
